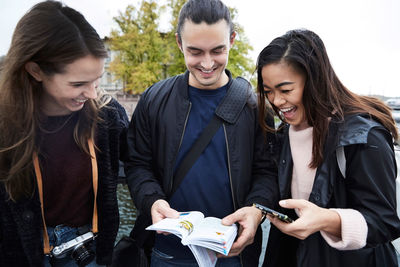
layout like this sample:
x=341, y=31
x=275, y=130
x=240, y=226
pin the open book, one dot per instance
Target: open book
x=204, y=236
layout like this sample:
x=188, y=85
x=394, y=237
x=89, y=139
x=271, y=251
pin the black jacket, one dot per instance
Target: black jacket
x=21, y=222
x=154, y=137
x=369, y=187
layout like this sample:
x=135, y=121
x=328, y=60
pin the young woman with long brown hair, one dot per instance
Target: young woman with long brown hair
x=61, y=140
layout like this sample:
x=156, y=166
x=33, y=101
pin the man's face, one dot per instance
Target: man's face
x=206, y=50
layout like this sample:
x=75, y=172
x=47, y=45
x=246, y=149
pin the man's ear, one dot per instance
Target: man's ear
x=178, y=42
x=34, y=70
x=232, y=38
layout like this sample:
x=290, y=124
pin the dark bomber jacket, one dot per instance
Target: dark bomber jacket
x=21, y=222
x=154, y=137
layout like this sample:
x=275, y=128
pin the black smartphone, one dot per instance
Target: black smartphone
x=280, y=216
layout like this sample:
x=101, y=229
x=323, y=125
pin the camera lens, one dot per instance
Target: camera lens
x=82, y=255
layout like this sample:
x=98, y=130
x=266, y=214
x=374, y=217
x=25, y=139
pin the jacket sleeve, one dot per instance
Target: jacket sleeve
x=371, y=188
x=124, y=122
x=143, y=184
x=112, y=145
x=264, y=168
x=118, y=127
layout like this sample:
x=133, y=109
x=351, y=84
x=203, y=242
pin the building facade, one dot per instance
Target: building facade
x=108, y=81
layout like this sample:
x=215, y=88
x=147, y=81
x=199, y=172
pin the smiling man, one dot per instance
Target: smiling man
x=206, y=50
x=232, y=172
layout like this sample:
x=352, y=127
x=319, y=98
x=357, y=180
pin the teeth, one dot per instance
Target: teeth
x=286, y=109
x=207, y=71
x=80, y=100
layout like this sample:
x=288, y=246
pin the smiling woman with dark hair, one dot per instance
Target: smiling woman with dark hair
x=337, y=168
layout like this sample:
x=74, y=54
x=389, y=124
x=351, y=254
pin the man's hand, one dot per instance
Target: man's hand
x=248, y=218
x=161, y=210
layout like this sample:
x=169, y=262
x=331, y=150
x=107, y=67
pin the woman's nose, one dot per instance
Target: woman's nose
x=91, y=93
x=278, y=99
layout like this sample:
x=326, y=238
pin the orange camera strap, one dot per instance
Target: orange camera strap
x=46, y=243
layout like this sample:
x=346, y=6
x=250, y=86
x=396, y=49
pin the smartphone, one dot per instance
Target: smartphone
x=280, y=216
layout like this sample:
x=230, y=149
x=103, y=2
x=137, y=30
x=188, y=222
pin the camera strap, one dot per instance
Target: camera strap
x=46, y=244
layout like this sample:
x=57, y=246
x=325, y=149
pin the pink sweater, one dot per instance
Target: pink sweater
x=353, y=224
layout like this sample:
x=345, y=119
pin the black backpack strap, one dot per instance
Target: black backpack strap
x=228, y=110
x=234, y=101
x=195, y=151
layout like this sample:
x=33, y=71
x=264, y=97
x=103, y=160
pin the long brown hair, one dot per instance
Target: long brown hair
x=324, y=94
x=51, y=35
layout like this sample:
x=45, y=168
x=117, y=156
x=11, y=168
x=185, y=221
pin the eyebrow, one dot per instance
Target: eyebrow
x=279, y=84
x=76, y=82
x=198, y=49
x=193, y=48
x=219, y=47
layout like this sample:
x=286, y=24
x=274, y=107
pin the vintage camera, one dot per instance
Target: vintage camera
x=77, y=248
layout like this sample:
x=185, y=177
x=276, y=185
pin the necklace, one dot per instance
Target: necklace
x=58, y=128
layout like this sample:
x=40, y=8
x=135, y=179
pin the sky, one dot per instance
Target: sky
x=362, y=37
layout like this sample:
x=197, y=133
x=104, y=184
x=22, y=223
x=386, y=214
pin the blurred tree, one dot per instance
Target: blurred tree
x=147, y=55
x=140, y=46
x=177, y=63
x=240, y=63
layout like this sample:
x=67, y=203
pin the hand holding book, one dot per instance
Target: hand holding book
x=204, y=236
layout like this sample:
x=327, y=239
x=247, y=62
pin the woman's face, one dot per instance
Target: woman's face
x=67, y=92
x=284, y=87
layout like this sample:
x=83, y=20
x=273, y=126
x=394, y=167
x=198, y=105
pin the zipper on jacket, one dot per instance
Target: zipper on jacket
x=230, y=179
x=180, y=143
x=229, y=166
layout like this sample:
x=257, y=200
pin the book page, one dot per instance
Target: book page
x=212, y=234
x=181, y=226
x=204, y=257
x=204, y=236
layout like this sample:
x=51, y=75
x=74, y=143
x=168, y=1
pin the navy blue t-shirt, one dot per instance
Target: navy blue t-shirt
x=206, y=187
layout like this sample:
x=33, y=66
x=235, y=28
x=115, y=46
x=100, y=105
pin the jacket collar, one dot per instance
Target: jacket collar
x=355, y=129
x=239, y=93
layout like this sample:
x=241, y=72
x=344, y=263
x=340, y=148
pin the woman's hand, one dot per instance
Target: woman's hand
x=311, y=219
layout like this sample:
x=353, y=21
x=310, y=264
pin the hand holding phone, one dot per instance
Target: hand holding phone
x=280, y=216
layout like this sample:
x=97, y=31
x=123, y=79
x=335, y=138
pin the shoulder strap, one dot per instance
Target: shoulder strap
x=228, y=110
x=46, y=244
x=195, y=151
x=235, y=99
x=341, y=160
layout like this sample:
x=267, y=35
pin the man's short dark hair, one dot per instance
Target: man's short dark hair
x=209, y=11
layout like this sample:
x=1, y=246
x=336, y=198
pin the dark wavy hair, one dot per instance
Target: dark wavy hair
x=324, y=94
x=52, y=35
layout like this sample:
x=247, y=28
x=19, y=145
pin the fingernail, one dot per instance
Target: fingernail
x=282, y=202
